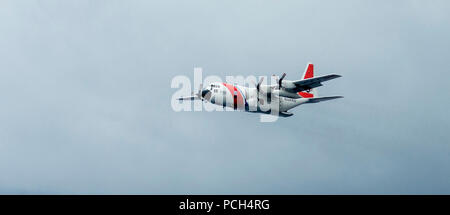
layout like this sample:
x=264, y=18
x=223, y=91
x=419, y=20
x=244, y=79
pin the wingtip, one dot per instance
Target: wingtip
x=337, y=97
x=333, y=75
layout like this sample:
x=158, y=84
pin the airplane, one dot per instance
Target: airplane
x=288, y=94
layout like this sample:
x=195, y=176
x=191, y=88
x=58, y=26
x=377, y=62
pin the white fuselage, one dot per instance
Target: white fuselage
x=246, y=99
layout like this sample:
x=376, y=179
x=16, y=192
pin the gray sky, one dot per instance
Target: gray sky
x=85, y=94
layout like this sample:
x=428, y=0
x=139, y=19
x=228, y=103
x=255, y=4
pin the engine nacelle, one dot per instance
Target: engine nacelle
x=252, y=104
x=288, y=84
x=252, y=100
x=266, y=89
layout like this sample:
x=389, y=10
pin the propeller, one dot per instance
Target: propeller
x=281, y=79
x=259, y=84
x=199, y=94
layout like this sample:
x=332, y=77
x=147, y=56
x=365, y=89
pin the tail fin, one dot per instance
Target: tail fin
x=309, y=73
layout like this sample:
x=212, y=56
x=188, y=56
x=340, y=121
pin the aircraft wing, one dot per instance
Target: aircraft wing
x=306, y=84
x=321, y=99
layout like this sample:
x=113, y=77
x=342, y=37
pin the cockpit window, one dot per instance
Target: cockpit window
x=214, y=86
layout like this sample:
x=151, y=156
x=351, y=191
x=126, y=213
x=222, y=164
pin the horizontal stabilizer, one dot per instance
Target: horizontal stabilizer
x=321, y=99
x=305, y=84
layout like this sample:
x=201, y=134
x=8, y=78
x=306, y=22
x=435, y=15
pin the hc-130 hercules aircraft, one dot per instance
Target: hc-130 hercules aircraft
x=287, y=93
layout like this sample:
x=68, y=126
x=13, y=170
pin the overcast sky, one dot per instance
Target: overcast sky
x=86, y=99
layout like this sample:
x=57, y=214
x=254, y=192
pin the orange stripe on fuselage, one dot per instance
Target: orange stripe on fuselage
x=239, y=100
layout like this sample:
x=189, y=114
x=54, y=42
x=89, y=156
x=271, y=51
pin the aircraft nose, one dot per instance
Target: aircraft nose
x=206, y=94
